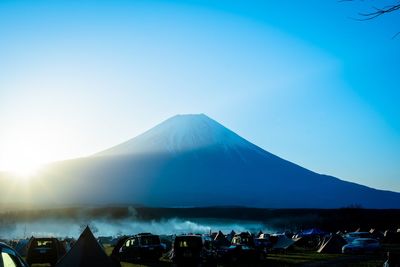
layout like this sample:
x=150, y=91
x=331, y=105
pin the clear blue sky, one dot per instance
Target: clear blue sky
x=301, y=79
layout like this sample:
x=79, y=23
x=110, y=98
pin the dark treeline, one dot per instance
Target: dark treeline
x=348, y=219
x=333, y=220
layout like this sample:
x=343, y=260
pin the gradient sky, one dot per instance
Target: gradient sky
x=301, y=79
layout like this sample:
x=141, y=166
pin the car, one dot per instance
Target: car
x=140, y=247
x=190, y=250
x=362, y=245
x=354, y=235
x=242, y=249
x=44, y=250
x=243, y=238
x=10, y=258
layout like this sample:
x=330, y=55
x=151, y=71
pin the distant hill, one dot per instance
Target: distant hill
x=192, y=160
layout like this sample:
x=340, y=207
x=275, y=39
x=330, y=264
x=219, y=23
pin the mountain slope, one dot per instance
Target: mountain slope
x=191, y=160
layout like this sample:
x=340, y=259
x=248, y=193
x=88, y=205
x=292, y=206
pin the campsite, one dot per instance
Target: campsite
x=286, y=238
x=284, y=251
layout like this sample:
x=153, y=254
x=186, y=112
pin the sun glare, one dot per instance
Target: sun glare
x=24, y=172
x=24, y=149
x=22, y=168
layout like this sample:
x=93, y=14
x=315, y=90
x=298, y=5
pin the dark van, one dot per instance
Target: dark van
x=140, y=247
x=187, y=250
x=44, y=250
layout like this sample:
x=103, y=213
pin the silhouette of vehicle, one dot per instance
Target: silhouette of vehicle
x=362, y=245
x=354, y=235
x=44, y=250
x=140, y=247
x=10, y=258
x=243, y=238
x=188, y=250
x=242, y=249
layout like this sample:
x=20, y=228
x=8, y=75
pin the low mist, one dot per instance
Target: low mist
x=59, y=228
x=14, y=227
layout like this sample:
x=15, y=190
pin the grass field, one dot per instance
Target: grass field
x=305, y=259
x=302, y=258
x=293, y=258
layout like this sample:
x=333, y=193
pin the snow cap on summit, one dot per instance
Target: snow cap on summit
x=179, y=133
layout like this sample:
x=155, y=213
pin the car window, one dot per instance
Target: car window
x=150, y=240
x=43, y=243
x=189, y=242
x=9, y=260
x=131, y=242
x=183, y=244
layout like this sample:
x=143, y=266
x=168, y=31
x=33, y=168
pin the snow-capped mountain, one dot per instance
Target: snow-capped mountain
x=179, y=134
x=192, y=160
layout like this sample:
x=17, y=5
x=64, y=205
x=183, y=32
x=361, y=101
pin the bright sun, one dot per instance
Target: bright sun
x=25, y=148
x=24, y=171
x=22, y=167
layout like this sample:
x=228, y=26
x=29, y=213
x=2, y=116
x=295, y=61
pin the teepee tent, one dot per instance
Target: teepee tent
x=281, y=242
x=220, y=240
x=332, y=244
x=259, y=234
x=230, y=236
x=86, y=252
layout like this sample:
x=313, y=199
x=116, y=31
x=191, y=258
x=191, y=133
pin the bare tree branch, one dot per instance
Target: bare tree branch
x=394, y=36
x=379, y=12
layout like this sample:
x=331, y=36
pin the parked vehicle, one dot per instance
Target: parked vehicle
x=140, y=247
x=44, y=250
x=10, y=258
x=242, y=249
x=244, y=238
x=189, y=250
x=362, y=245
x=354, y=235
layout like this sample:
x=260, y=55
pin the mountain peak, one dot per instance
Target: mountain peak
x=188, y=121
x=179, y=133
x=190, y=116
